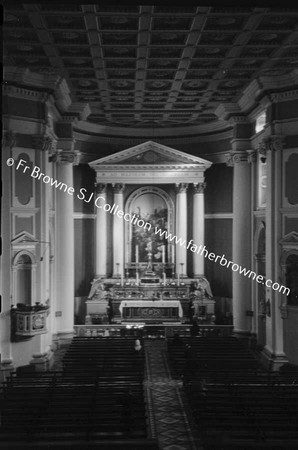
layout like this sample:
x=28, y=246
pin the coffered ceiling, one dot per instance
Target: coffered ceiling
x=152, y=66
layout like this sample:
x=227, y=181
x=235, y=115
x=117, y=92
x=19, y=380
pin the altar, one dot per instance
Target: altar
x=151, y=310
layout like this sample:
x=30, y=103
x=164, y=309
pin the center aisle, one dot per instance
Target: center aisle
x=168, y=420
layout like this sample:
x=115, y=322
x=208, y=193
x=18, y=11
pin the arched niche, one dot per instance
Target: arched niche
x=24, y=278
x=156, y=207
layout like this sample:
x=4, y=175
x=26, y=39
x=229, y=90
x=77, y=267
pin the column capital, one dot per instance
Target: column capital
x=67, y=157
x=9, y=139
x=252, y=156
x=199, y=188
x=181, y=188
x=101, y=188
x=118, y=188
x=237, y=158
x=273, y=143
x=44, y=143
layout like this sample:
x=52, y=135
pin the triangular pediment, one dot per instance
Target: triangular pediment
x=290, y=238
x=24, y=238
x=150, y=153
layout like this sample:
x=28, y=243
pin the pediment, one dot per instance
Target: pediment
x=151, y=154
x=290, y=238
x=23, y=239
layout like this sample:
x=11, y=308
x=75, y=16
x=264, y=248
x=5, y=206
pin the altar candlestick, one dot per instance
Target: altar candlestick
x=163, y=254
x=137, y=253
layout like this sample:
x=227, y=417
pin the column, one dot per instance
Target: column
x=65, y=244
x=181, y=228
x=241, y=242
x=101, y=235
x=198, y=227
x=274, y=348
x=118, y=232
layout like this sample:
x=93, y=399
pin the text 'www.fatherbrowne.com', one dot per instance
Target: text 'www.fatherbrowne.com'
x=100, y=202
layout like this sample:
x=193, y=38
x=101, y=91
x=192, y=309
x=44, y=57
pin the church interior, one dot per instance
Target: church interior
x=149, y=266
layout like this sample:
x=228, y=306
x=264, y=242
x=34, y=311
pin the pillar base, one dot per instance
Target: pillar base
x=6, y=368
x=272, y=362
x=42, y=361
x=62, y=338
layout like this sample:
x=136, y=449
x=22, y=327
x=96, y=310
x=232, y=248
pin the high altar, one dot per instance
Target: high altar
x=147, y=268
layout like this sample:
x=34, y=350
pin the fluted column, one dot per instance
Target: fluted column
x=118, y=232
x=198, y=227
x=101, y=235
x=181, y=228
x=65, y=243
x=241, y=239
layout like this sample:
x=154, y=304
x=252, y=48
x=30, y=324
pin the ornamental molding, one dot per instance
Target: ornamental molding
x=284, y=96
x=28, y=94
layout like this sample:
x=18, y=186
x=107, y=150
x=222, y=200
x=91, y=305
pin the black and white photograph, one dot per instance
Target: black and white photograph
x=149, y=227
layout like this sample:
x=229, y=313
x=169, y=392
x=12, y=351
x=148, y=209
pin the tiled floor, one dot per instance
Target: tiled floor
x=166, y=403
x=168, y=420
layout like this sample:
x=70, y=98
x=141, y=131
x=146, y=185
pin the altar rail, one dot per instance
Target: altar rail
x=150, y=331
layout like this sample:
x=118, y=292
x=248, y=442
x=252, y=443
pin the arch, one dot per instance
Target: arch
x=162, y=197
x=260, y=239
x=24, y=277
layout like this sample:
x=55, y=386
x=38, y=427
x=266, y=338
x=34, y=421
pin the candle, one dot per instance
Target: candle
x=164, y=278
x=173, y=254
x=137, y=253
x=178, y=279
x=121, y=279
x=163, y=254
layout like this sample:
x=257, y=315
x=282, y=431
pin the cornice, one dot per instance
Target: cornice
x=152, y=133
x=24, y=93
x=126, y=140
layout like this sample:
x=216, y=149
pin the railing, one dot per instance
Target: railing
x=150, y=331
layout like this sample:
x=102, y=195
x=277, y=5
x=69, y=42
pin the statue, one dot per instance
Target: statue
x=97, y=289
x=202, y=286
